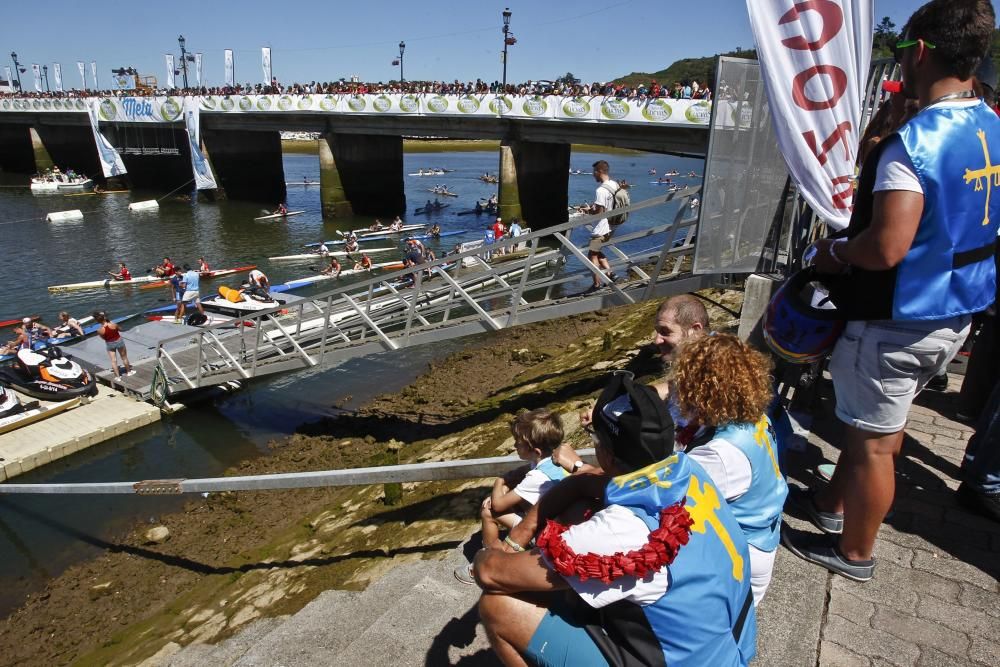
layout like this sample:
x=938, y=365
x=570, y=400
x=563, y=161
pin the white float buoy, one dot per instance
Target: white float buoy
x=147, y=205
x=59, y=216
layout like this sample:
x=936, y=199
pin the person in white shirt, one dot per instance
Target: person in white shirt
x=604, y=200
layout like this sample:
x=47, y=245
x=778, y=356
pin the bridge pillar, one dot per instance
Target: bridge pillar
x=534, y=182
x=43, y=160
x=16, y=154
x=68, y=147
x=247, y=164
x=362, y=173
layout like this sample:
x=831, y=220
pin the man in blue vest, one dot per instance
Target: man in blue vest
x=915, y=264
x=659, y=576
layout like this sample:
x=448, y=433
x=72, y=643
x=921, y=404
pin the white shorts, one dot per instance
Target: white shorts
x=191, y=296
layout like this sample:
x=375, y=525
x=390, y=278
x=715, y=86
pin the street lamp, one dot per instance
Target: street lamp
x=184, y=67
x=45, y=70
x=18, y=70
x=402, y=47
x=508, y=40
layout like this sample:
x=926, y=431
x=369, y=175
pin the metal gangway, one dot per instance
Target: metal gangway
x=543, y=275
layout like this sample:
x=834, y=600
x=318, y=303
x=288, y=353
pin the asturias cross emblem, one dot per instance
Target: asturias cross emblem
x=990, y=172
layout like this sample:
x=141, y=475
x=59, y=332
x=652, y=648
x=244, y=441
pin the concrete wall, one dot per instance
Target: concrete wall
x=534, y=182
x=70, y=148
x=370, y=171
x=16, y=155
x=247, y=164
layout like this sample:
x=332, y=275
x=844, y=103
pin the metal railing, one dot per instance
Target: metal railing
x=443, y=299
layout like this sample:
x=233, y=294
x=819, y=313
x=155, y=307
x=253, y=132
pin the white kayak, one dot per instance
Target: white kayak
x=107, y=282
x=361, y=233
x=33, y=415
x=293, y=284
x=301, y=182
x=334, y=253
x=275, y=216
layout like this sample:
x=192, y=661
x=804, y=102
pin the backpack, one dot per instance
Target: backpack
x=620, y=199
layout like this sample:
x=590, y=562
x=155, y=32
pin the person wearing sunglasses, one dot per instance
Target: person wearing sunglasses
x=915, y=264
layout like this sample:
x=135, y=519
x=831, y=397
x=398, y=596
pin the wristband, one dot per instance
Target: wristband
x=512, y=544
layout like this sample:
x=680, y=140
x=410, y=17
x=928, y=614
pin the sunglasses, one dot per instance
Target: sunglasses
x=897, y=51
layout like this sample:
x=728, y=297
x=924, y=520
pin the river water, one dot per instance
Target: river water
x=41, y=535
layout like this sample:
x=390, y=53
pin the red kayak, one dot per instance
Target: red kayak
x=205, y=274
x=10, y=323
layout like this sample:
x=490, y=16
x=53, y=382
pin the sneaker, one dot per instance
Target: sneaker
x=831, y=523
x=131, y=373
x=464, y=574
x=612, y=276
x=825, y=471
x=984, y=504
x=822, y=550
x=117, y=378
x=938, y=383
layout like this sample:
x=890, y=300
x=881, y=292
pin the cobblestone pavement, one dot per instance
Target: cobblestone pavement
x=934, y=600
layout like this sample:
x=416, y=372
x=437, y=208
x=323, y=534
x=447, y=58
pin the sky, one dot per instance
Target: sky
x=317, y=40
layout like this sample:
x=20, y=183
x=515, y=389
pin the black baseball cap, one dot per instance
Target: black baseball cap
x=634, y=422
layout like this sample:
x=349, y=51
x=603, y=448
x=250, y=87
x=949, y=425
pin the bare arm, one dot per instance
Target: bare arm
x=586, y=484
x=501, y=572
x=886, y=242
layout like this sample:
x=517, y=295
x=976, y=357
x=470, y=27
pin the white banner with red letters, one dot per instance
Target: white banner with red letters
x=815, y=56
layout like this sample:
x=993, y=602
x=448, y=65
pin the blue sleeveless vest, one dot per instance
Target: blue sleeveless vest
x=758, y=511
x=550, y=469
x=707, y=615
x=949, y=270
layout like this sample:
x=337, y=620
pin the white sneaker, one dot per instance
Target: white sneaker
x=118, y=378
x=131, y=373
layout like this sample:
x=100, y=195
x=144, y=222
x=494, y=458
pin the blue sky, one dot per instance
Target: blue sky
x=327, y=40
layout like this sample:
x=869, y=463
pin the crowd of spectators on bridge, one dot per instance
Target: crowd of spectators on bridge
x=641, y=91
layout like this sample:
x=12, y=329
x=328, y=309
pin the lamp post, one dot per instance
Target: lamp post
x=507, y=41
x=402, y=47
x=17, y=69
x=184, y=67
x=45, y=73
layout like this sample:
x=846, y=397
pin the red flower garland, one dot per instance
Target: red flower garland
x=660, y=550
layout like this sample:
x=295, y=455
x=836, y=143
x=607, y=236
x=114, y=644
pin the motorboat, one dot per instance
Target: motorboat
x=57, y=181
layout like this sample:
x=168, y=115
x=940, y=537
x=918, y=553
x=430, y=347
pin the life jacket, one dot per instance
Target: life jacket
x=758, y=511
x=551, y=470
x=706, y=616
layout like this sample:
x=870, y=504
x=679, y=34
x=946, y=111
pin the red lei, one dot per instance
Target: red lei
x=660, y=550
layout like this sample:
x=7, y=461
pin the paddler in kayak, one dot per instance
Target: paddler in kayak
x=333, y=269
x=281, y=210
x=69, y=328
x=123, y=273
x=376, y=226
x=323, y=250
x=435, y=230
x=351, y=245
x=364, y=263
x=203, y=266
x=29, y=333
x=166, y=269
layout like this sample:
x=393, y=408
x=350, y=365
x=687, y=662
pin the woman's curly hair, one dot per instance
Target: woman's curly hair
x=719, y=379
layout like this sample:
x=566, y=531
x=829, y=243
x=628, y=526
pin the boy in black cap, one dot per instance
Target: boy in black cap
x=661, y=575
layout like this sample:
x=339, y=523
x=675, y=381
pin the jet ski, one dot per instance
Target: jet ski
x=235, y=302
x=9, y=405
x=49, y=375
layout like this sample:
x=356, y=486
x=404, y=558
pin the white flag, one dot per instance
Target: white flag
x=10, y=78
x=170, y=69
x=265, y=63
x=111, y=160
x=83, y=73
x=93, y=71
x=57, y=75
x=815, y=59
x=197, y=68
x=37, y=72
x=230, y=68
x=204, y=179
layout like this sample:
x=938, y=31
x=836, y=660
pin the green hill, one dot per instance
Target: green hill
x=687, y=69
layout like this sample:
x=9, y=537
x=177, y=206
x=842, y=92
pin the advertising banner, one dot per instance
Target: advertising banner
x=123, y=82
x=111, y=161
x=140, y=109
x=93, y=71
x=204, y=179
x=9, y=78
x=197, y=68
x=57, y=76
x=83, y=73
x=265, y=63
x=230, y=68
x=169, y=57
x=36, y=71
x=815, y=57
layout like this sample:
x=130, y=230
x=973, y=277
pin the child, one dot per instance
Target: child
x=537, y=433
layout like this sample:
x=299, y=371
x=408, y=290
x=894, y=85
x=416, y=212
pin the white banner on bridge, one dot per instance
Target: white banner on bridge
x=111, y=161
x=10, y=78
x=169, y=57
x=204, y=179
x=230, y=68
x=815, y=57
x=83, y=73
x=57, y=75
x=93, y=71
x=197, y=68
x=36, y=71
x=265, y=63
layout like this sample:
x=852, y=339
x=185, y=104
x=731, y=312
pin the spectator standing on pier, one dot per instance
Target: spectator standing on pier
x=604, y=201
x=114, y=343
x=920, y=252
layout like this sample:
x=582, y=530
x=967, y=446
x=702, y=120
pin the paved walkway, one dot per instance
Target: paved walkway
x=934, y=600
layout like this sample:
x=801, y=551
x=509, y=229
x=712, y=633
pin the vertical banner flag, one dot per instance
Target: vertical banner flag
x=265, y=62
x=83, y=73
x=204, y=179
x=230, y=68
x=815, y=55
x=37, y=72
x=111, y=161
x=197, y=68
x=170, y=69
x=10, y=77
x=57, y=75
x=93, y=71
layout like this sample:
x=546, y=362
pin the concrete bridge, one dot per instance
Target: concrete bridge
x=361, y=146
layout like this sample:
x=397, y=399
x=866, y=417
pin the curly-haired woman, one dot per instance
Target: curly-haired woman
x=723, y=384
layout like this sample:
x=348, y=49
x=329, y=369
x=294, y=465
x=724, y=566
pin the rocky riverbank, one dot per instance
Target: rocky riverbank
x=234, y=557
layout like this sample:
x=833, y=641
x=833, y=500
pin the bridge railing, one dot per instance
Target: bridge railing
x=442, y=299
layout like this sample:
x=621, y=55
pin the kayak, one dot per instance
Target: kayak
x=424, y=237
x=206, y=275
x=107, y=282
x=301, y=182
x=362, y=233
x=334, y=253
x=275, y=216
x=33, y=415
x=18, y=320
x=302, y=282
x=103, y=192
x=432, y=210
x=444, y=193
x=87, y=331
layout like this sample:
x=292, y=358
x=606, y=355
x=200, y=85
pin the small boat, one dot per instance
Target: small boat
x=362, y=233
x=17, y=320
x=34, y=414
x=275, y=216
x=302, y=282
x=432, y=172
x=432, y=209
x=332, y=253
x=385, y=234
x=483, y=207
x=423, y=237
x=96, y=192
x=302, y=183
x=48, y=374
x=57, y=181
x=443, y=193
x=207, y=275
x=107, y=282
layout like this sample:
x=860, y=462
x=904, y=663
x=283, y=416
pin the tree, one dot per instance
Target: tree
x=885, y=37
